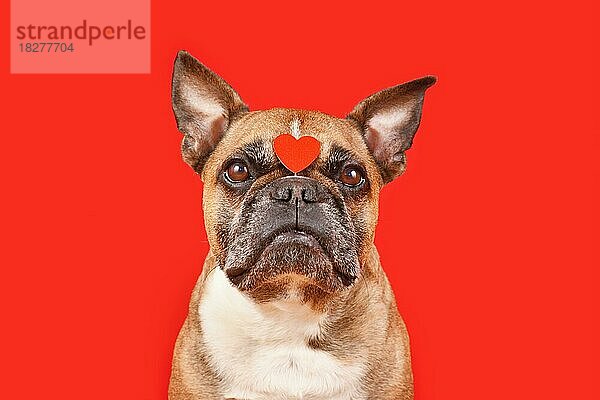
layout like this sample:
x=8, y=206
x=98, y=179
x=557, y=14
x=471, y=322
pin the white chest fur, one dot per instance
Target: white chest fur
x=260, y=352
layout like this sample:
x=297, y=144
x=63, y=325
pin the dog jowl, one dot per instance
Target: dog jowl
x=292, y=302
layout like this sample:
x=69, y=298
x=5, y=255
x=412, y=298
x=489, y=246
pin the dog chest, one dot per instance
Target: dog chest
x=261, y=352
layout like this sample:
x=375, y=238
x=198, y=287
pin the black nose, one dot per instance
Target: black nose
x=297, y=189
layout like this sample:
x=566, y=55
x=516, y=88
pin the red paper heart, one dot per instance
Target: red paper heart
x=296, y=154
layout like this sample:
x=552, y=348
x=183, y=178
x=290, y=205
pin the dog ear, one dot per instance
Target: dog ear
x=204, y=106
x=389, y=120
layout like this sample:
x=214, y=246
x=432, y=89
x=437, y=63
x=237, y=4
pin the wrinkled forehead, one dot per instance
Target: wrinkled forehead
x=262, y=127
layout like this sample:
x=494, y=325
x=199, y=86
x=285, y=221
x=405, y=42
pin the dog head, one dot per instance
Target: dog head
x=279, y=234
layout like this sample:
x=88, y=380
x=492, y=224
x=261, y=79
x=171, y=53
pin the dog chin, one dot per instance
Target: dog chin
x=293, y=261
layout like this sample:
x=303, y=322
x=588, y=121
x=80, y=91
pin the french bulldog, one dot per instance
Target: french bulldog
x=292, y=301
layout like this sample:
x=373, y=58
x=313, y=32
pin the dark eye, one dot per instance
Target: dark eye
x=237, y=172
x=352, y=176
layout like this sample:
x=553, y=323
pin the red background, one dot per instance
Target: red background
x=490, y=239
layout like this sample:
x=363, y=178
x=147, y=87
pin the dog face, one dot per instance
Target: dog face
x=270, y=229
x=277, y=234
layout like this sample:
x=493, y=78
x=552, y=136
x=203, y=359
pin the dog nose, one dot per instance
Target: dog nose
x=296, y=189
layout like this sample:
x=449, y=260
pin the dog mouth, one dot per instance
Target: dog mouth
x=272, y=250
x=291, y=251
x=278, y=240
x=295, y=237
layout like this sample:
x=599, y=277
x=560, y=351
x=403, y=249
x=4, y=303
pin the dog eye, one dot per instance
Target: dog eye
x=237, y=172
x=352, y=176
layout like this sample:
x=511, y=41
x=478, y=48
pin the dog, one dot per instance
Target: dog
x=292, y=301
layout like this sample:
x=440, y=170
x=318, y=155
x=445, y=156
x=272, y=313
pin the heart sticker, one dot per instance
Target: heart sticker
x=296, y=154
